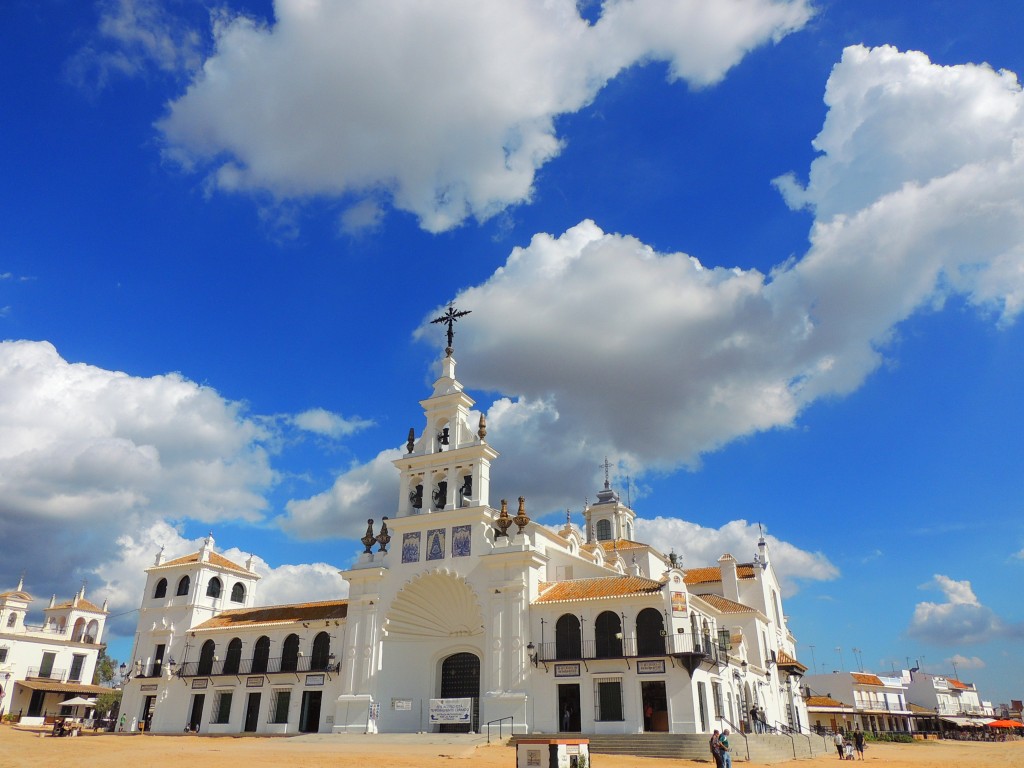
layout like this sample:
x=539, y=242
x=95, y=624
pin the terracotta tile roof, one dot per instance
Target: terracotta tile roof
x=17, y=595
x=725, y=605
x=957, y=684
x=714, y=573
x=864, y=679
x=83, y=605
x=785, y=660
x=917, y=709
x=218, y=560
x=596, y=588
x=822, y=701
x=621, y=544
x=278, y=614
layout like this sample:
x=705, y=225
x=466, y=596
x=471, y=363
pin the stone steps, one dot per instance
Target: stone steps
x=765, y=748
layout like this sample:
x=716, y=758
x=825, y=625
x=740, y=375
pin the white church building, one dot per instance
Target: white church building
x=461, y=613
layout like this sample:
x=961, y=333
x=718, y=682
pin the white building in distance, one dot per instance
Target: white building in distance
x=42, y=665
x=461, y=613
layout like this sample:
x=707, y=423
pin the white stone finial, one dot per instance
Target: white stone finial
x=53, y=600
x=207, y=548
x=159, y=557
x=21, y=582
x=249, y=563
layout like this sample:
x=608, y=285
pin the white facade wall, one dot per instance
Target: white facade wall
x=453, y=605
x=61, y=648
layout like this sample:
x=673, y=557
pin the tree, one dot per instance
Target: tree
x=106, y=669
x=108, y=704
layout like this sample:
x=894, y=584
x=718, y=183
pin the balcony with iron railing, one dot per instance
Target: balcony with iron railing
x=43, y=673
x=700, y=647
x=257, y=666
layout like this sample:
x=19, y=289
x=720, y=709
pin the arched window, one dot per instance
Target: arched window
x=161, y=589
x=62, y=625
x=91, y=632
x=233, y=660
x=261, y=655
x=78, y=632
x=213, y=589
x=567, y=637
x=604, y=530
x=12, y=620
x=321, y=651
x=775, y=608
x=290, y=654
x=238, y=593
x=650, y=629
x=183, y=586
x=608, y=636
x=206, y=658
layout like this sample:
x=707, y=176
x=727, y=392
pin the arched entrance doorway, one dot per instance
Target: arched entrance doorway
x=460, y=679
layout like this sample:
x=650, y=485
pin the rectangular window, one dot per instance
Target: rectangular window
x=279, y=706
x=716, y=693
x=702, y=701
x=3, y=655
x=158, y=660
x=46, y=665
x=77, y=661
x=221, y=708
x=608, y=699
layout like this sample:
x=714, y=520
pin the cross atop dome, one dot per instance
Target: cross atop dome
x=450, y=317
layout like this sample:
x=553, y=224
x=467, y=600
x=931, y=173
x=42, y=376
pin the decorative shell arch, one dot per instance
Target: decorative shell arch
x=438, y=604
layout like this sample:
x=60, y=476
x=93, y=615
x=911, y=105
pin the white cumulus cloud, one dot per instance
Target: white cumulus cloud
x=445, y=109
x=699, y=546
x=960, y=620
x=322, y=422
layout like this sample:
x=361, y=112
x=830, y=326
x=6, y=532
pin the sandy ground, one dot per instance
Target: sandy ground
x=19, y=749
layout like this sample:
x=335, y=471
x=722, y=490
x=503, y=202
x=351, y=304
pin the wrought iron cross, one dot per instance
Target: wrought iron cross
x=451, y=317
x=607, y=465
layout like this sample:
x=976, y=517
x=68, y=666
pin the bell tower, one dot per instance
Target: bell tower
x=449, y=465
x=608, y=519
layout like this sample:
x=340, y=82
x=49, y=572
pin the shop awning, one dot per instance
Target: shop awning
x=965, y=722
x=52, y=686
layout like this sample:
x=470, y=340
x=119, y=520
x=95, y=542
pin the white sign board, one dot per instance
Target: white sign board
x=451, y=710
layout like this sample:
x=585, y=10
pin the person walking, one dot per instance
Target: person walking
x=755, y=723
x=839, y=741
x=858, y=742
x=723, y=742
x=716, y=749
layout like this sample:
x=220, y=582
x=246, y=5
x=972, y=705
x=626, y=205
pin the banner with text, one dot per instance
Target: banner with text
x=450, y=710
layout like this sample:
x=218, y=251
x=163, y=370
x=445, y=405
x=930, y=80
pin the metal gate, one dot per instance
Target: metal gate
x=460, y=678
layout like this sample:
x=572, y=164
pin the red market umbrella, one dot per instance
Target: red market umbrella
x=1005, y=724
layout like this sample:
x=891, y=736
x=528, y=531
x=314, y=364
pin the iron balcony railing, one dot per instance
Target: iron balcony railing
x=46, y=674
x=879, y=706
x=256, y=666
x=631, y=647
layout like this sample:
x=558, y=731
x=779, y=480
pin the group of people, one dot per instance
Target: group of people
x=721, y=752
x=758, y=720
x=846, y=746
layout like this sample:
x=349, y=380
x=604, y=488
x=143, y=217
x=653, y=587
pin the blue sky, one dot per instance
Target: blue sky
x=765, y=255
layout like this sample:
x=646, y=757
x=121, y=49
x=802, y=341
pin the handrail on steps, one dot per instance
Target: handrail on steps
x=499, y=721
x=784, y=729
x=735, y=729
